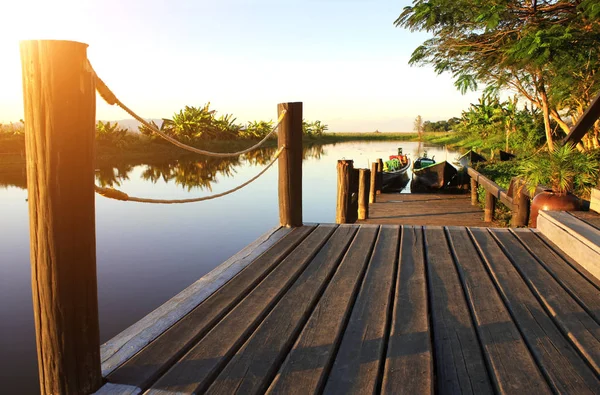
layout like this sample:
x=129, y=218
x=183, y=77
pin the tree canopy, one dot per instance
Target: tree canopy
x=545, y=50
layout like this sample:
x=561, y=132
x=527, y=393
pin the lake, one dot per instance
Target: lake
x=147, y=253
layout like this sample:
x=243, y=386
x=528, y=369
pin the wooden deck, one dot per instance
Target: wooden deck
x=373, y=309
x=425, y=209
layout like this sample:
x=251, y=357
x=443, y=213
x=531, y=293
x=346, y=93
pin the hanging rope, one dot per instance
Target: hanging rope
x=112, y=193
x=111, y=99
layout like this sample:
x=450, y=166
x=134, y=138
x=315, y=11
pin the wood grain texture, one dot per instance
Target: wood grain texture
x=60, y=115
x=199, y=367
x=253, y=367
x=567, y=314
x=373, y=183
x=595, y=200
x=553, y=354
x=364, y=176
x=148, y=364
x=308, y=363
x=345, y=169
x=586, y=293
x=590, y=217
x=576, y=238
x=460, y=366
x=290, y=165
x=510, y=364
x=409, y=360
x=357, y=363
x=424, y=209
x=129, y=342
x=490, y=207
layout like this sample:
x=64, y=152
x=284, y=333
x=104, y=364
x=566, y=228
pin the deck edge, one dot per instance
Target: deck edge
x=127, y=343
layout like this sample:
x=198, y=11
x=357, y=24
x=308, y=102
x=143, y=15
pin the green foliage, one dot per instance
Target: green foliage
x=111, y=134
x=257, y=129
x=314, y=129
x=563, y=169
x=441, y=126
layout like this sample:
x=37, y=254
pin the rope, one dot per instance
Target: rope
x=111, y=99
x=115, y=194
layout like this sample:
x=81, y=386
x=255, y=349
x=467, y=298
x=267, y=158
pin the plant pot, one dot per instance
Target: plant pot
x=551, y=201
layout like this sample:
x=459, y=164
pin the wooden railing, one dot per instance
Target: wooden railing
x=517, y=198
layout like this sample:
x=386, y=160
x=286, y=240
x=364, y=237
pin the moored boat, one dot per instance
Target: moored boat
x=395, y=173
x=470, y=157
x=433, y=175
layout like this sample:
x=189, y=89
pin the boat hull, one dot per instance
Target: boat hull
x=393, y=181
x=470, y=157
x=437, y=176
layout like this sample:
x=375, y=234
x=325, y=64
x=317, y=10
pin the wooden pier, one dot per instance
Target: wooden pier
x=376, y=309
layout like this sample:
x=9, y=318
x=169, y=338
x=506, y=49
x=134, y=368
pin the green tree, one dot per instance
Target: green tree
x=418, y=126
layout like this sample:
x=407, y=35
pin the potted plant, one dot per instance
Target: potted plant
x=563, y=170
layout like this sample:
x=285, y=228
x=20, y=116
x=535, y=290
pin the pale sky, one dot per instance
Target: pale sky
x=344, y=59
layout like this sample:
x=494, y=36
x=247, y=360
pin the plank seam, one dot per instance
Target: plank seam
x=471, y=308
x=426, y=263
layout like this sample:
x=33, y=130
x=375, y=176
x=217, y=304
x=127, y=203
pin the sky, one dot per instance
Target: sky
x=344, y=59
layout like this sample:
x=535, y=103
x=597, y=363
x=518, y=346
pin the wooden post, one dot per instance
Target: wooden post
x=379, y=176
x=372, y=194
x=490, y=206
x=345, y=169
x=290, y=165
x=521, y=207
x=60, y=115
x=364, y=178
x=474, y=186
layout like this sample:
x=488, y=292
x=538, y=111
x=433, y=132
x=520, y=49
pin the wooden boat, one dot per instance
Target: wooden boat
x=395, y=180
x=433, y=176
x=504, y=156
x=469, y=158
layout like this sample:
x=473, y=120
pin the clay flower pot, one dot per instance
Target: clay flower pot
x=549, y=200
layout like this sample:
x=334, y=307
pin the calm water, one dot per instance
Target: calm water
x=147, y=253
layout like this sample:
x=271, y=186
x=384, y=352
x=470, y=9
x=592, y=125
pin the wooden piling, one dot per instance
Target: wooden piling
x=60, y=114
x=379, y=176
x=474, y=186
x=290, y=165
x=364, y=178
x=521, y=207
x=490, y=206
x=372, y=194
x=345, y=169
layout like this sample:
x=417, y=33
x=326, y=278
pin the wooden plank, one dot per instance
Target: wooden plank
x=563, y=368
x=144, y=367
x=253, y=367
x=589, y=217
x=510, y=364
x=198, y=368
x=129, y=342
x=578, y=239
x=460, y=366
x=582, y=290
x=567, y=314
x=584, y=123
x=306, y=367
x=409, y=361
x=357, y=364
x=595, y=200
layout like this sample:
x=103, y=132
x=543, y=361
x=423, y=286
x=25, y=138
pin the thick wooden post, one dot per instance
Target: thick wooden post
x=345, y=169
x=474, y=192
x=290, y=165
x=490, y=206
x=364, y=178
x=372, y=194
x=379, y=176
x=521, y=207
x=60, y=114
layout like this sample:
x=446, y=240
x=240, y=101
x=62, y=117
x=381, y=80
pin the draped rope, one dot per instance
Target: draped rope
x=111, y=99
x=115, y=194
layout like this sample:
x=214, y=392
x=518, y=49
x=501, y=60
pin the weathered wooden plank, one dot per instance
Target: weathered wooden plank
x=120, y=389
x=576, y=238
x=582, y=290
x=306, y=367
x=143, y=368
x=555, y=357
x=252, y=368
x=511, y=366
x=589, y=217
x=409, y=361
x=198, y=368
x=595, y=200
x=129, y=342
x=566, y=313
x=357, y=364
x=460, y=366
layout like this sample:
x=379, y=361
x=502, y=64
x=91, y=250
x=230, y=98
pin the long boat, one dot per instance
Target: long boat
x=427, y=175
x=395, y=180
x=470, y=157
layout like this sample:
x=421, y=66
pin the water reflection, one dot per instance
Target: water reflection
x=189, y=172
